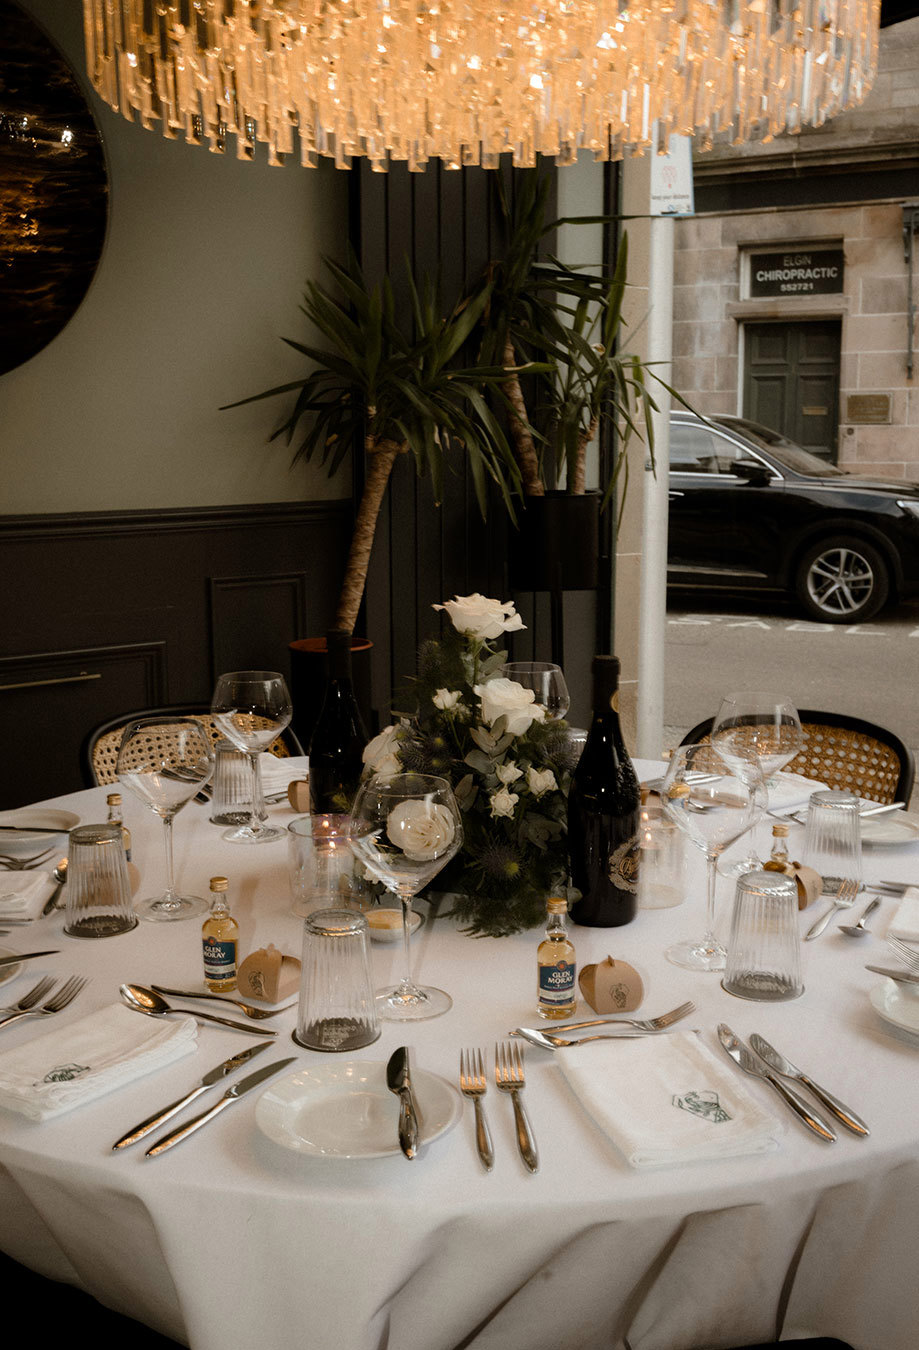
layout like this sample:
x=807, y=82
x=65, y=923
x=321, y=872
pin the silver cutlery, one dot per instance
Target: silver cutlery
x=473, y=1083
x=257, y=1014
x=799, y=814
x=510, y=1077
x=16, y=864
x=640, y=1023
x=901, y=976
x=546, y=1040
x=44, y=986
x=213, y=1076
x=858, y=929
x=905, y=952
x=143, y=1000
x=24, y=956
x=745, y=1058
x=55, y=1004
x=779, y=1064
x=60, y=876
x=232, y=1095
x=399, y=1081
x=845, y=897
x=898, y=887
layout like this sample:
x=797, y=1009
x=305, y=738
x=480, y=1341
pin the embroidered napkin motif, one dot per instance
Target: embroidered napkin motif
x=704, y=1104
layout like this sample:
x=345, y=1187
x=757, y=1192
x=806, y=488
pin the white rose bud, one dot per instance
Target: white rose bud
x=381, y=755
x=503, y=802
x=480, y=617
x=506, y=698
x=448, y=700
x=423, y=830
x=508, y=773
x=540, y=782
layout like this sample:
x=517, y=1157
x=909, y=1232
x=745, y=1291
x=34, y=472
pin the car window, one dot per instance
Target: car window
x=787, y=452
x=697, y=450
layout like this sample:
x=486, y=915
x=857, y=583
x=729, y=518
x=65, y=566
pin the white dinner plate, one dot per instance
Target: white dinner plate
x=343, y=1109
x=7, y=972
x=897, y=1007
x=36, y=818
x=896, y=828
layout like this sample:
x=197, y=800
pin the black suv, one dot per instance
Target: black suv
x=750, y=510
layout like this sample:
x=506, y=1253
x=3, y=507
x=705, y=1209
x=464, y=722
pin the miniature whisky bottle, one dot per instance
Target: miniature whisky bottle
x=556, y=966
x=220, y=940
x=778, y=858
x=113, y=802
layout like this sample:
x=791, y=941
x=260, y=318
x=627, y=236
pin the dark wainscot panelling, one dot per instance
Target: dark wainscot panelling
x=111, y=612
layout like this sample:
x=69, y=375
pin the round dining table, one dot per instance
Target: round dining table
x=232, y=1240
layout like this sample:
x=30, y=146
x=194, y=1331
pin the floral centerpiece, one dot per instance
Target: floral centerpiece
x=508, y=765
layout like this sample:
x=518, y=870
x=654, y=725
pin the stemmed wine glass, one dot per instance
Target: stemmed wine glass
x=547, y=682
x=165, y=761
x=765, y=724
x=404, y=828
x=252, y=708
x=713, y=801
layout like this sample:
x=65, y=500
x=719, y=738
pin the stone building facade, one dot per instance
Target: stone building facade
x=794, y=280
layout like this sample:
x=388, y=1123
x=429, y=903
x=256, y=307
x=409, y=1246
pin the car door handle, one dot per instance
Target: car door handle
x=671, y=494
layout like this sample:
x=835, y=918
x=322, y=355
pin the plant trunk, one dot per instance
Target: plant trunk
x=381, y=456
x=524, y=449
x=578, y=486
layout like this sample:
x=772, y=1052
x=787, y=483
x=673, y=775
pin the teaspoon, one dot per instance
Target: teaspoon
x=141, y=999
x=858, y=930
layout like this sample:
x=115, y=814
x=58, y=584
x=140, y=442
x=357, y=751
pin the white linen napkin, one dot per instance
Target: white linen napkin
x=905, y=923
x=23, y=894
x=667, y=1100
x=277, y=773
x=76, y=1063
x=791, y=791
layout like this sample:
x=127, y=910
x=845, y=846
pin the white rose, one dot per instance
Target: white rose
x=381, y=755
x=506, y=698
x=480, y=617
x=541, y=782
x=503, y=802
x=421, y=829
x=508, y=773
x=447, y=699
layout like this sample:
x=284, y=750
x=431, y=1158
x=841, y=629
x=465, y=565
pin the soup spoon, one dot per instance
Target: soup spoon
x=857, y=930
x=141, y=999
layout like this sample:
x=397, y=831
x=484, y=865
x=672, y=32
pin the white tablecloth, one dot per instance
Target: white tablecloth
x=229, y=1241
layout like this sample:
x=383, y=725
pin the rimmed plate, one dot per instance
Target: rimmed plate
x=8, y=972
x=890, y=830
x=43, y=826
x=343, y=1109
x=900, y=1009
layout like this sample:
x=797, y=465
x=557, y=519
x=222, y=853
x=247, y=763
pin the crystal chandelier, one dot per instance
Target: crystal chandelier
x=469, y=80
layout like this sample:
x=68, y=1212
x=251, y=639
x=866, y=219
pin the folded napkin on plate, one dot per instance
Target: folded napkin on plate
x=76, y=1063
x=665, y=1100
x=23, y=894
x=277, y=773
x=790, y=791
x=905, y=923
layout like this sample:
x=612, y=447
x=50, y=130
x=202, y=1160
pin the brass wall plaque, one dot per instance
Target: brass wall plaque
x=870, y=409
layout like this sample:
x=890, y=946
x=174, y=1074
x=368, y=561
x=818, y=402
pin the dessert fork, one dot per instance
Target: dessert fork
x=473, y=1084
x=845, y=897
x=55, y=1004
x=44, y=986
x=17, y=864
x=256, y=1014
x=639, y=1023
x=905, y=952
x=509, y=1077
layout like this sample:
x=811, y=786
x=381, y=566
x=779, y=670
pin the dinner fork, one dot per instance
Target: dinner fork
x=257, y=1014
x=17, y=864
x=473, y=1084
x=845, y=897
x=905, y=952
x=55, y=1004
x=44, y=986
x=509, y=1077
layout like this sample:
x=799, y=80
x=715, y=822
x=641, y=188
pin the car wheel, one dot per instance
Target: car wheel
x=842, y=580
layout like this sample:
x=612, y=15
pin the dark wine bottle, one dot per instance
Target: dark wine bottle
x=338, y=739
x=603, y=813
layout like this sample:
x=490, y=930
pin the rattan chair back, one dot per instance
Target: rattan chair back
x=845, y=752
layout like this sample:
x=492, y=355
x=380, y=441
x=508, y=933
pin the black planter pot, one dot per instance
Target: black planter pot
x=557, y=543
x=308, y=676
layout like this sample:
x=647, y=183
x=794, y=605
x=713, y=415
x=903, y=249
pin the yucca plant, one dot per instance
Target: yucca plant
x=392, y=384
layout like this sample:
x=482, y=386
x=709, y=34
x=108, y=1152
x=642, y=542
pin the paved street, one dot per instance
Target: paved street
x=716, y=645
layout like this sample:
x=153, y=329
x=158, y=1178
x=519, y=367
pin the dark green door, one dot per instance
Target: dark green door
x=791, y=381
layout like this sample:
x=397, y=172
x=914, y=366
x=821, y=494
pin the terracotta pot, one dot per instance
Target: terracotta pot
x=308, y=676
x=557, y=544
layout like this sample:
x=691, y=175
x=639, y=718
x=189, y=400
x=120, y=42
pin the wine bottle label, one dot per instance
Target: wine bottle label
x=623, y=864
x=556, y=982
x=219, y=959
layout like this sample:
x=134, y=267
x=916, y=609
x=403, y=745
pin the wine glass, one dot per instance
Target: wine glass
x=765, y=723
x=713, y=801
x=165, y=761
x=404, y=828
x=252, y=708
x=547, y=682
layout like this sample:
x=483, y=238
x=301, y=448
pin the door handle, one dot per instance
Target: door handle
x=671, y=494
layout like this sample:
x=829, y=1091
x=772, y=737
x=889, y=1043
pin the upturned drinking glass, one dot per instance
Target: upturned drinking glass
x=833, y=838
x=764, y=947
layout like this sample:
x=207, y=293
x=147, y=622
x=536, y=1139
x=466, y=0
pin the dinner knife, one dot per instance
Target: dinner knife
x=745, y=1057
x=399, y=1081
x=904, y=976
x=25, y=956
x=785, y=1067
x=232, y=1095
x=214, y=1076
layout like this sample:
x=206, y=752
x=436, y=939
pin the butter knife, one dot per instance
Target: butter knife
x=785, y=1067
x=903, y=976
x=25, y=956
x=742, y=1055
x=232, y=1095
x=214, y=1076
x=399, y=1081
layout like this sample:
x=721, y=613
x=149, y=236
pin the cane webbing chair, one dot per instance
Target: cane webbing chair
x=100, y=749
x=845, y=752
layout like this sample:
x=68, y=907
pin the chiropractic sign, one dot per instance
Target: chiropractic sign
x=797, y=272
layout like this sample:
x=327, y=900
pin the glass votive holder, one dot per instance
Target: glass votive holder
x=231, y=800
x=833, y=838
x=98, y=887
x=336, y=1009
x=322, y=868
x=764, y=947
x=660, y=859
